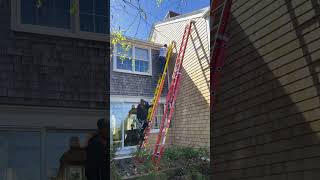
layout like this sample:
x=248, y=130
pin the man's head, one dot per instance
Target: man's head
x=165, y=45
x=74, y=142
x=102, y=127
x=141, y=101
x=133, y=106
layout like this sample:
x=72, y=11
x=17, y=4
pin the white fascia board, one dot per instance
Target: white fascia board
x=200, y=15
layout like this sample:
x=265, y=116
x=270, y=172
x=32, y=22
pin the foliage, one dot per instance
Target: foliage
x=114, y=175
x=159, y=2
x=117, y=37
x=190, y=172
x=142, y=153
x=155, y=175
x=74, y=8
x=185, y=153
x=38, y=3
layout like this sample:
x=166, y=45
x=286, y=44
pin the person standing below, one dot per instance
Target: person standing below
x=96, y=164
x=142, y=115
x=162, y=57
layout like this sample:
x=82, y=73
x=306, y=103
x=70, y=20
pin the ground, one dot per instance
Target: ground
x=177, y=163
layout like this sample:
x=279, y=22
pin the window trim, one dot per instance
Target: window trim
x=136, y=99
x=133, y=57
x=73, y=32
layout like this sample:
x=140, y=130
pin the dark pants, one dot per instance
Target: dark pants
x=162, y=61
x=144, y=126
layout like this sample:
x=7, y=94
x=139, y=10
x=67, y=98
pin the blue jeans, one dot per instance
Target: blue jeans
x=162, y=62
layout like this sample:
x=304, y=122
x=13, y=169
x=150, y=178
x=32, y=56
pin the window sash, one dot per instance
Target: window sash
x=73, y=28
x=134, y=59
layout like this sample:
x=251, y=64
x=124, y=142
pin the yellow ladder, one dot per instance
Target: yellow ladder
x=155, y=101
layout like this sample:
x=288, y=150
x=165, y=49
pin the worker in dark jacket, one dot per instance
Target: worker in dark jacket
x=96, y=165
x=142, y=114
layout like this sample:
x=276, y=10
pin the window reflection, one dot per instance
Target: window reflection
x=51, y=13
x=93, y=16
x=20, y=156
x=66, y=155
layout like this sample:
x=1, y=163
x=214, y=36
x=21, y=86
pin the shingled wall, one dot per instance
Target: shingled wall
x=43, y=70
x=266, y=123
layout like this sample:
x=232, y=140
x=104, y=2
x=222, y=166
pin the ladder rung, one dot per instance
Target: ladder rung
x=220, y=6
x=214, y=27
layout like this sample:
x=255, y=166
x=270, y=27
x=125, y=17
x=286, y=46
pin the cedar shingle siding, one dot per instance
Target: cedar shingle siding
x=129, y=84
x=266, y=120
x=43, y=70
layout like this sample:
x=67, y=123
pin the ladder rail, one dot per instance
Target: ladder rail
x=156, y=99
x=172, y=95
x=220, y=20
x=218, y=51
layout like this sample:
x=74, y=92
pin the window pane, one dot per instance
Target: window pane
x=86, y=6
x=141, y=66
x=125, y=64
x=62, y=13
x=122, y=52
x=142, y=54
x=86, y=22
x=20, y=155
x=101, y=24
x=46, y=14
x=158, y=118
x=52, y=13
x=65, y=150
x=101, y=7
x=28, y=11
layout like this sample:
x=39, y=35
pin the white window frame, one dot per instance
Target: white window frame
x=133, y=57
x=73, y=32
x=135, y=99
x=124, y=152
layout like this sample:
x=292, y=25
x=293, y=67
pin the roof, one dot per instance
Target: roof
x=202, y=11
x=198, y=13
x=171, y=14
x=142, y=42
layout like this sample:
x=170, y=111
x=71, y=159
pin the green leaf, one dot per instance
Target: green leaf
x=74, y=8
x=38, y=3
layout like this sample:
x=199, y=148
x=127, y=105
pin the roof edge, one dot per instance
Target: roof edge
x=202, y=12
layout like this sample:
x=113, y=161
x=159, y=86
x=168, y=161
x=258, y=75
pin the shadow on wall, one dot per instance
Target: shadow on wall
x=191, y=119
x=202, y=56
x=299, y=30
x=266, y=117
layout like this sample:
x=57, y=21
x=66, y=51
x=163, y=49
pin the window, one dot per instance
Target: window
x=20, y=155
x=86, y=19
x=65, y=154
x=134, y=60
x=52, y=13
x=157, y=120
x=125, y=125
x=93, y=16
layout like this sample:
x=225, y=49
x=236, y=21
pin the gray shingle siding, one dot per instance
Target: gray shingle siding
x=43, y=70
x=136, y=85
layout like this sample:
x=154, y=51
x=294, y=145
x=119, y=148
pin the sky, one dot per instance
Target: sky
x=126, y=19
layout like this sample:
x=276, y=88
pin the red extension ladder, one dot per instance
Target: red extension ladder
x=219, y=18
x=171, y=98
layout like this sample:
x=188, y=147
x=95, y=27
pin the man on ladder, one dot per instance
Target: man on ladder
x=162, y=57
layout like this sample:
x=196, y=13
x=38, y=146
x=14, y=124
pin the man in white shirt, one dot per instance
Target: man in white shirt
x=162, y=57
